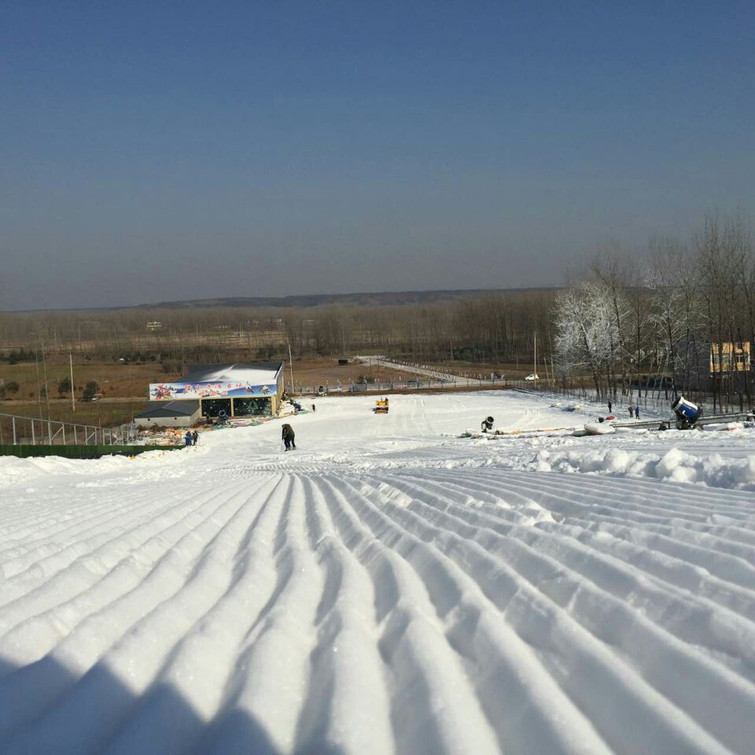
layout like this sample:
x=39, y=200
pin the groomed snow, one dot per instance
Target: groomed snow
x=387, y=587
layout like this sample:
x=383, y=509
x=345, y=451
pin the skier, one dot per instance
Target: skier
x=187, y=438
x=313, y=408
x=636, y=412
x=288, y=435
x=194, y=437
x=487, y=424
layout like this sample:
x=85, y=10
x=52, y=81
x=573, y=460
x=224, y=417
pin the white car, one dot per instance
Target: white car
x=532, y=376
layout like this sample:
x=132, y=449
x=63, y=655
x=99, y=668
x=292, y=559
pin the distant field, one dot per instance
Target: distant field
x=114, y=378
x=105, y=413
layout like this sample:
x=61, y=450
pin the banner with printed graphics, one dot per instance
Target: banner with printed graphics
x=209, y=389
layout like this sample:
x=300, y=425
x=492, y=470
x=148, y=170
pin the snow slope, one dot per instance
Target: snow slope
x=388, y=587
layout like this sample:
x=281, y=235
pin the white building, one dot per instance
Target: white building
x=228, y=390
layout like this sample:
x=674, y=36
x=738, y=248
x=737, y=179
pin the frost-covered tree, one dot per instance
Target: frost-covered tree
x=674, y=314
x=588, y=334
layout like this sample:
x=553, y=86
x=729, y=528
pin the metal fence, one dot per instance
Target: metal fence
x=35, y=431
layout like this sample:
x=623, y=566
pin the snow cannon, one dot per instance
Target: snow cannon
x=686, y=412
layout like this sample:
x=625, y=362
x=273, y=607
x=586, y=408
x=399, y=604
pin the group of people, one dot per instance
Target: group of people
x=191, y=438
x=287, y=432
x=634, y=411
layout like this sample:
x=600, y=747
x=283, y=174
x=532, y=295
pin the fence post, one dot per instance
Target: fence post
x=14, y=431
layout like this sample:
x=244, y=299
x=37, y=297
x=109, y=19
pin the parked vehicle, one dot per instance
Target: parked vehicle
x=532, y=376
x=381, y=406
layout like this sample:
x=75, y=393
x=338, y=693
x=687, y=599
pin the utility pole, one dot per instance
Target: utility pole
x=291, y=365
x=47, y=395
x=47, y=390
x=73, y=388
x=39, y=385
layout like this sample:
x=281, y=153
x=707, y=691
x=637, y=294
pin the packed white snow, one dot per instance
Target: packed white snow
x=386, y=587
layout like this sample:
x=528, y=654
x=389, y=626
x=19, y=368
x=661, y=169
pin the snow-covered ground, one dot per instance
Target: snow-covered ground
x=387, y=587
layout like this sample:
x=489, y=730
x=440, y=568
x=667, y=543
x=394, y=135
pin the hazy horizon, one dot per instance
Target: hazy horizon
x=183, y=303
x=154, y=153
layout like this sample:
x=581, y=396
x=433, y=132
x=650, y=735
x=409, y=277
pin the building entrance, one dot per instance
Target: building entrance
x=257, y=407
x=216, y=407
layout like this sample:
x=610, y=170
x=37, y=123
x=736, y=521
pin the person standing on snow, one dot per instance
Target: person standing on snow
x=609, y=407
x=636, y=412
x=288, y=435
x=631, y=412
x=187, y=438
x=194, y=437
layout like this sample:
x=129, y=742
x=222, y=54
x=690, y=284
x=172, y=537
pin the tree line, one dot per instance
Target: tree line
x=682, y=314
x=491, y=329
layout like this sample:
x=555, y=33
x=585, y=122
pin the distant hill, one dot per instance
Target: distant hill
x=385, y=298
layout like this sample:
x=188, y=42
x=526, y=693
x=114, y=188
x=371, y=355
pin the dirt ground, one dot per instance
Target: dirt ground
x=104, y=413
x=328, y=373
x=124, y=386
x=115, y=379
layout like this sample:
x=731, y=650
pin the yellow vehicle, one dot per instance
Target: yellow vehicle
x=381, y=406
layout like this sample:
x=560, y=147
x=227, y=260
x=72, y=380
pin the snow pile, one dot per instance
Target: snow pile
x=675, y=466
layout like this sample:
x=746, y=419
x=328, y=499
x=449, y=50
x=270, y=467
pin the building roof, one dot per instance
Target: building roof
x=256, y=373
x=157, y=409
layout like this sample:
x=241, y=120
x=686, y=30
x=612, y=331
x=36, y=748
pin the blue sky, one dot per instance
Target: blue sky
x=156, y=151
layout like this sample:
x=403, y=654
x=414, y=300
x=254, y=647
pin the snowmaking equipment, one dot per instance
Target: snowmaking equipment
x=686, y=413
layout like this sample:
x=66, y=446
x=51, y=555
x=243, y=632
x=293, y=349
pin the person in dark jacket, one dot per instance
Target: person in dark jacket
x=194, y=437
x=187, y=438
x=288, y=435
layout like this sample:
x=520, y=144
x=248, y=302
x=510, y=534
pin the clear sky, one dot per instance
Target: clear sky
x=157, y=150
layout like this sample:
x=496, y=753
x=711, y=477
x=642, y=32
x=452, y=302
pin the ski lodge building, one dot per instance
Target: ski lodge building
x=219, y=390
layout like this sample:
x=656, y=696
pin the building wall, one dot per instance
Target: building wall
x=729, y=357
x=178, y=421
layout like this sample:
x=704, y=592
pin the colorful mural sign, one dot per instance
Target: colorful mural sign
x=209, y=389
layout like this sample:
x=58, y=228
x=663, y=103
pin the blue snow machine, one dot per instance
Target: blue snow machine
x=686, y=413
